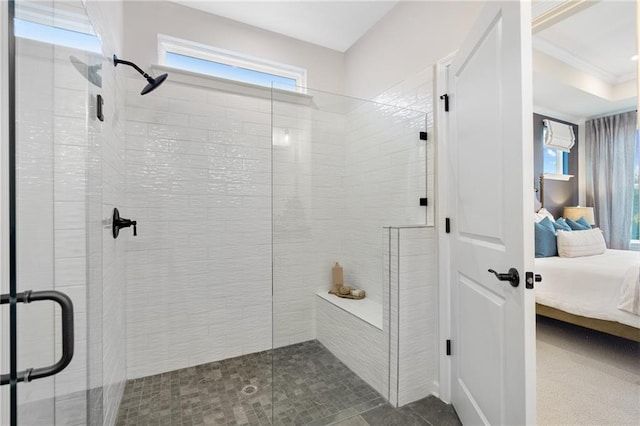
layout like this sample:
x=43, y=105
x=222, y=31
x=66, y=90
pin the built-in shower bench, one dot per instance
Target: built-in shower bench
x=368, y=310
x=353, y=331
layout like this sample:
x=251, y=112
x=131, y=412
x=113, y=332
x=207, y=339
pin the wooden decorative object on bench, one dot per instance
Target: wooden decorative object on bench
x=348, y=296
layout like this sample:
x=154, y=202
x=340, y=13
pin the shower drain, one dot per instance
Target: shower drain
x=249, y=390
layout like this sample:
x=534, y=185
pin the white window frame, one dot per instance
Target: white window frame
x=209, y=53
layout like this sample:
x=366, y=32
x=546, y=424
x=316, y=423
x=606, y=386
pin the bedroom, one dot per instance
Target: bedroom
x=573, y=60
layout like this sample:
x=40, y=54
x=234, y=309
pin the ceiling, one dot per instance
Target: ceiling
x=595, y=45
x=602, y=37
x=597, y=41
x=333, y=24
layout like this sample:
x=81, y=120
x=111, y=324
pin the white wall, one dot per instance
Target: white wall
x=412, y=36
x=384, y=178
x=308, y=205
x=198, y=167
x=65, y=158
x=144, y=20
x=412, y=304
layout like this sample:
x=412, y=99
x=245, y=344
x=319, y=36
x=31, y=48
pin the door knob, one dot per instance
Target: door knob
x=512, y=276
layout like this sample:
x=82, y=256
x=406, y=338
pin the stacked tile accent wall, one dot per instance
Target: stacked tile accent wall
x=412, y=313
x=308, y=207
x=199, y=164
x=384, y=166
x=36, y=153
x=361, y=346
x=199, y=185
x=65, y=156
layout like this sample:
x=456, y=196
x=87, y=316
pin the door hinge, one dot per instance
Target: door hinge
x=423, y=136
x=99, y=104
x=445, y=97
x=423, y=201
x=449, y=347
x=447, y=225
x=530, y=278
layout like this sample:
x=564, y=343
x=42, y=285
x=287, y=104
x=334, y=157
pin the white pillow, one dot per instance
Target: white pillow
x=542, y=213
x=580, y=243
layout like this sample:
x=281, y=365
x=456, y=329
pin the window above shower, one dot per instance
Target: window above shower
x=200, y=58
x=65, y=25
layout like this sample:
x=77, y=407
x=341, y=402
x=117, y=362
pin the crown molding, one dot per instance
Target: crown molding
x=575, y=61
x=547, y=16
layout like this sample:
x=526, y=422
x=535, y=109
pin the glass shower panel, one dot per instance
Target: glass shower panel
x=55, y=48
x=342, y=170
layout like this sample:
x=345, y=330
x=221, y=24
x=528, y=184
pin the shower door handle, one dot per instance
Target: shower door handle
x=66, y=306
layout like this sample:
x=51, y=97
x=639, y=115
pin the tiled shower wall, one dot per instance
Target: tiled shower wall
x=412, y=304
x=65, y=156
x=199, y=165
x=36, y=153
x=199, y=184
x=384, y=166
x=308, y=206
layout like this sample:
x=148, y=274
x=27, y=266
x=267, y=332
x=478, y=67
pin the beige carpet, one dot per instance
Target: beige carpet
x=585, y=377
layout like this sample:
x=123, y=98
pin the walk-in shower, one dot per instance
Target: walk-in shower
x=244, y=197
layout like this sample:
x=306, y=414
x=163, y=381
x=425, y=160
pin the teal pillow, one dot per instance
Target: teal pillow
x=561, y=224
x=546, y=238
x=583, y=221
x=577, y=226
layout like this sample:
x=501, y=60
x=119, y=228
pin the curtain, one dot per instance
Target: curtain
x=610, y=150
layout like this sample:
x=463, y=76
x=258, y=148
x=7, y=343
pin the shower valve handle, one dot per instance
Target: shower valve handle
x=119, y=222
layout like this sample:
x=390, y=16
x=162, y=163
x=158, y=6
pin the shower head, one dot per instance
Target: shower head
x=90, y=72
x=152, y=82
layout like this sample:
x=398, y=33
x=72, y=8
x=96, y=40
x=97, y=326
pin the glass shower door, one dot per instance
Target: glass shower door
x=53, y=50
x=342, y=170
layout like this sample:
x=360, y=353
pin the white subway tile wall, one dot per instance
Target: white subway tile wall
x=71, y=175
x=201, y=189
x=218, y=182
x=385, y=168
x=35, y=214
x=308, y=146
x=415, y=292
x=347, y=336
x=52, y=228
x=198, y=182
x=411, y=313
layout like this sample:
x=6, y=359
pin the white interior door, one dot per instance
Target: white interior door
x=491, y=180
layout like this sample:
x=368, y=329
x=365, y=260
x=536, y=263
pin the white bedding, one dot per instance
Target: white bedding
x=590, y=286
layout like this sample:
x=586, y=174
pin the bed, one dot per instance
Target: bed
x=590, y=290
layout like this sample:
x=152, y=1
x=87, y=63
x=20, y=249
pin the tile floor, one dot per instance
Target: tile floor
x=303, y=384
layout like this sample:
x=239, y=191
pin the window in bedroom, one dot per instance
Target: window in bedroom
x=203, y=59
x=556, y=147
x=556, y=162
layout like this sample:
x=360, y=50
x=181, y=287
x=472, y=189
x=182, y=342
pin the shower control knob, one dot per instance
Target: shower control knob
x=119, y=222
